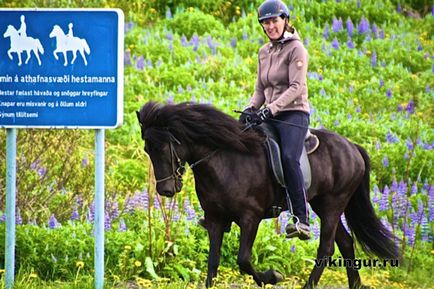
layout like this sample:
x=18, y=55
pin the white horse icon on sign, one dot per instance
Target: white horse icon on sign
x=67, y=42
x=21, y=42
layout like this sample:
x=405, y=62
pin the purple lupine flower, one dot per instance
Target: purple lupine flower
x=127, y=58
x=424, y=226
x=107, y=222
x=283, y=221
x=18, y=219
x=157, y=202
x=91, y=213
x=335, y=44
x=75, y=216
x=398, y=8
x=115, y=210
x=385, y=162
x=390, y=138
x=358, y=4
x=410, y=107
x=337, y=24
x=409, y=144
x=375, y=197
x=306, y=41
x=350, y=27
x=363, y=27
x=315, y=230
x=52, y=222
x=293, y=249
x=375, y=30
x=84, y=162
x=381, y=82
x=169, y=36
x=245, y=35
x=382, y=34
x=195, y=42
x=149, y=63
x=326, y=32
x=122, y=226
x=140, y=63
x=128, y=26
x=212, y=45
x=336, y=123
x=184, y=42
x=399, y=108
x=374, y=59
x=3, y=218
x=350, y=43
x=349, y=116
x=168, y=14
x=234, y=42
x=414, y=189
x=389, y=93
x=189, y=210
x=384, y=200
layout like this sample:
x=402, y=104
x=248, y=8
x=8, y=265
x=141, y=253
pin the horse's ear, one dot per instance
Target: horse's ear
x=138, y=116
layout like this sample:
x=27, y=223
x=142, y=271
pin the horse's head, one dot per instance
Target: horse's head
x=57, y=31
x=9, y=31
x=165, y=150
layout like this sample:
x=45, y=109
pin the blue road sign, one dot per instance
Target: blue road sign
x=61, y=68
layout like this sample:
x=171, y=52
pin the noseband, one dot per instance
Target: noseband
x=177, y=166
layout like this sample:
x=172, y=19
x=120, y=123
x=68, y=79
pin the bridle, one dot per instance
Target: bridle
x=177, y=164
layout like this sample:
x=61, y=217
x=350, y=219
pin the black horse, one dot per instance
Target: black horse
x=234, y=184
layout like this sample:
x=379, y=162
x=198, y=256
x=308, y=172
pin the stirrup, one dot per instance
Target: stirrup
x=299, y=230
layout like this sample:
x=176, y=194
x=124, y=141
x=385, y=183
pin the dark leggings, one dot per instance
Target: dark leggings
x=291, y=143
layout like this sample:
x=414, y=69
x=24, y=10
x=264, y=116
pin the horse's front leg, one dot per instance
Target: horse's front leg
x=19, y=58
x=215, y=234
x=55, y=54
x=28, y=56
x=249, y=228
x=10, y=54
x=66, y=59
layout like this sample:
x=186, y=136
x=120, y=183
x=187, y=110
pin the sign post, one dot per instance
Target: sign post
x=60, y=68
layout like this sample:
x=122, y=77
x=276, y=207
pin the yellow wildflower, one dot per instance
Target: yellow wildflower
x=127, y=247
x=137, y=263
x=79, y=264
x=33, y=275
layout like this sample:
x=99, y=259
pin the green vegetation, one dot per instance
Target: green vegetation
x=370, y=79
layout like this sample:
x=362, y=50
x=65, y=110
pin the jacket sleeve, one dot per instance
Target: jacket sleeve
x=297, y=77
x=258, y=97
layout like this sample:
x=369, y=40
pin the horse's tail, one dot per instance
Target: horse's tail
x=364, y=223
x=86, y=46
x=39, y=46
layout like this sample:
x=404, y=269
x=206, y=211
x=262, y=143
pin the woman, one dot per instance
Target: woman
x=281, y=87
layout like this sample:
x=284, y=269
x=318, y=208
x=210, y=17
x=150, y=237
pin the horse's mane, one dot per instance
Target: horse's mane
x=196, y=124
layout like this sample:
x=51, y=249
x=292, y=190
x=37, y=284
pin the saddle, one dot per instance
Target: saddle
x=272, y=145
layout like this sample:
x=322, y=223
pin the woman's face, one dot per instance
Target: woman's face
x=273, y=27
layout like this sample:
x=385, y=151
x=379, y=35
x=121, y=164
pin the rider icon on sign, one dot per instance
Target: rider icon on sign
x=68, y=42
x=21, y=42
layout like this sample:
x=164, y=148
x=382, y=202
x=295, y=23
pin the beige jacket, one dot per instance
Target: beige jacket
x=281, y=80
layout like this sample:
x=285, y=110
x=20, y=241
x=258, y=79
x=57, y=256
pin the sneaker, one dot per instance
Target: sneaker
x=202, y=223
x=300, y=230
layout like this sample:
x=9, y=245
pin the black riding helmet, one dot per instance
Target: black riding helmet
x=272, y=8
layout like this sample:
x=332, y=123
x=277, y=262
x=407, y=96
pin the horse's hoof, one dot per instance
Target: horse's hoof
x=273, y=277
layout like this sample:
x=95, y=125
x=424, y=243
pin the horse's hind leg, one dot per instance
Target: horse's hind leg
x=326, y=248
x=215, y=234
x=83, y=56
x=74, y=56
x=345, y=244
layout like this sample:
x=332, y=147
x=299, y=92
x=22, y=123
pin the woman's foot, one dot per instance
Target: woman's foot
x=300, y=230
